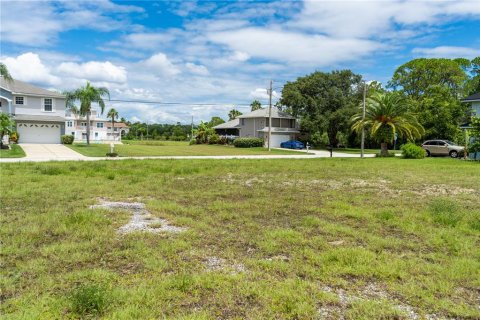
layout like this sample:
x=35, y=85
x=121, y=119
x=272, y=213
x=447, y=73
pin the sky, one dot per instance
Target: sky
x=211, y=56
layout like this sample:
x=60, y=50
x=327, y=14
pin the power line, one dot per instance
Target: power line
x=179, y=103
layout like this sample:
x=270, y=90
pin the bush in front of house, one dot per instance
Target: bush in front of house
x=412, y=151
x=67, y=139
x=214, y=139
x=248, y=142
x=14, y=136
x=112, y=154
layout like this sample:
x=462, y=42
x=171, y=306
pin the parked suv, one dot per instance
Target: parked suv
x=442, y=148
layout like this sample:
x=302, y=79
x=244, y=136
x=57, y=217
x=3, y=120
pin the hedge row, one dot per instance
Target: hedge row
x=248, y=142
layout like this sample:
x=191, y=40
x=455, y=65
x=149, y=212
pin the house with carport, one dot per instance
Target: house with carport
x=256, y=124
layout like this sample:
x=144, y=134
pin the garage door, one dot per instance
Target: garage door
x=276, y=139
x=38, y=132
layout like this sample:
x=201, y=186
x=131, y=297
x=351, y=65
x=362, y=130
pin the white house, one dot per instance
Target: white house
x=39, y=114
x=255, y=124
x=100, y=128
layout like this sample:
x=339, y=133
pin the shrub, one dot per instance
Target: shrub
x=14, y=137
x=474, y=146
x=89, y=300
x=214, y=139
x=412, y=151
x=112, y=154
x=67, y=139
x=248, y=142
x=193, y=141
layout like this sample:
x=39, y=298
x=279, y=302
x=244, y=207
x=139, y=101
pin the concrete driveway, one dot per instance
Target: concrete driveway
x=46, y=152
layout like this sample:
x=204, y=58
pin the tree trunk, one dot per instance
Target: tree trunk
x=384, y=149
x=88, y=127
x=113, y=129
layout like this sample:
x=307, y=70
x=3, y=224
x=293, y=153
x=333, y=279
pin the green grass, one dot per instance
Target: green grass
x=15, y=152
x=358, y=151
x=299, y=239
x=170, y=148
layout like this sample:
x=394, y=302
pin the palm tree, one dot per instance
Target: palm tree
x=255, y=105
x=233, y=114
x=387, y=114
x=4, y=72
x=87, y=95
x=112, y=113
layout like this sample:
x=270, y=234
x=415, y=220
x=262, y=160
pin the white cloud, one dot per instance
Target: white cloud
x=33, y=23
x=197, y=69
x=94, y=71
x=294, y=47
x=447, y=52
x=29, y=68
x=160, y=65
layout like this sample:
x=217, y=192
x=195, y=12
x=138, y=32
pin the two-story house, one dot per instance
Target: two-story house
x=100, y=128
x=256, y=124
x=39, y=114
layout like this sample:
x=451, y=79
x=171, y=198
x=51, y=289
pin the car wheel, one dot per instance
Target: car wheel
x=453, y=154
x=428, y=153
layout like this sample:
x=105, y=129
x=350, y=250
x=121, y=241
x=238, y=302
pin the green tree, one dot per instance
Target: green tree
x=324, y=101
x=388, y=114
x=203, y=132
x=112, y=114
x=434, y=88
x=233, y=114
x=6, y=125
x=215, y=121
x=4, y=72
x=87, y=95
x=255, y=105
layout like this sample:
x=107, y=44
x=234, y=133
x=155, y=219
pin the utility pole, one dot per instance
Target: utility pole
x=147, y=129
x=270, y=115
x=191, y=138
x=362, y=144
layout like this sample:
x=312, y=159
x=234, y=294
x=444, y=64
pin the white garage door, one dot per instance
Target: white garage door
x=276, y=139
x=38, y=133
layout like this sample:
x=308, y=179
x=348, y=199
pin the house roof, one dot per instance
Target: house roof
x=473, y=97
x=263, y=113
x=232, y=124
x=17, y=86
x=120, y=125
x=40, y=118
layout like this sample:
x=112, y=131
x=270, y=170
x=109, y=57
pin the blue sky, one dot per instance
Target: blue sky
x=222, y=53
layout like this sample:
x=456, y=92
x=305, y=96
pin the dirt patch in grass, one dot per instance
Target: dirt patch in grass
x=219, y=264
x=141, y=220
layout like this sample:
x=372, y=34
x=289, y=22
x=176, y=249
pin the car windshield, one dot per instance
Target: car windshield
x=450, y=142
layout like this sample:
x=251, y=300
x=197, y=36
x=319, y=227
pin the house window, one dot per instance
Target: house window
x=83, y=124
x=47, y=104
x=73, y=134
x=99, y=124
x=69, y=124
x=242, y=121
x=20, y=100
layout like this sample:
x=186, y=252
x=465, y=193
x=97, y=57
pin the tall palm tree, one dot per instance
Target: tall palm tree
x=112, y=113
x=387, y=114
x=4, y=72
x=87, y=95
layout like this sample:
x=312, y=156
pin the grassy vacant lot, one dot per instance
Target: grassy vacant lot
x=169, y=148
x=264, y=239
x=15, y=152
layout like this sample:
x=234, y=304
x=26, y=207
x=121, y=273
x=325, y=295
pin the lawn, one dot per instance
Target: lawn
x=262, y=239
x=170, y=148
x=15, y=152
x=358, y=151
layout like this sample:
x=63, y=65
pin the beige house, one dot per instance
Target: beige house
x=255, y=124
